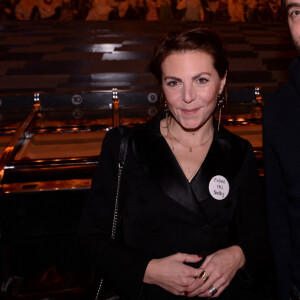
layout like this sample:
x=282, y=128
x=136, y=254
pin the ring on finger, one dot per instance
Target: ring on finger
x=203, y=275
x=213, y=290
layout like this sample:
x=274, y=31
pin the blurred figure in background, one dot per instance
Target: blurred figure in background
x=99, y=11
x=194, y=11
x=222, y=12
x=66, y=10
x=164, y=10
x=236, y=10
x=261, y=10
x=151, y=10
x=211, y=8
x=121, y=8
x=142, y=9
x=273, y=10
x=7, y=10
x=49, y=9
x=26, y=10
x=251, y=10
x=180, y=10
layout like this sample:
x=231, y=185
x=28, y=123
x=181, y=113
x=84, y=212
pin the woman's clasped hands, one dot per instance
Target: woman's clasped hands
x=209, y=281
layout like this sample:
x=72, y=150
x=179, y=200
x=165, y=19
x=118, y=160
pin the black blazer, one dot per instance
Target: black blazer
x=162, y=213
x=282, y=164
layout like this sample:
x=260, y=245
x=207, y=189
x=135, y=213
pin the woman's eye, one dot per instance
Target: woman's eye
x=172, y=83
x=202, y=80
x=294, y=13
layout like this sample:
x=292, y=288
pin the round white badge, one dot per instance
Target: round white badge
x=218, y=187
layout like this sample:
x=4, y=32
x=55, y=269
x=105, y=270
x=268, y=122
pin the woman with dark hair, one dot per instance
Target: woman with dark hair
x=191, y=206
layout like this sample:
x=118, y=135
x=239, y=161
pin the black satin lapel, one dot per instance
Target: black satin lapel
x=201, y=181
x=157, y=160
x=224, y=158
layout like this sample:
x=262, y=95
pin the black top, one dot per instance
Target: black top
x=282, y=165
x=162, y=213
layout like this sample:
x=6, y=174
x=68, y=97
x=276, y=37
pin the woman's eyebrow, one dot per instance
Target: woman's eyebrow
x=201, y=74
x=172, y=77
x=292, y=5
x=193, y=78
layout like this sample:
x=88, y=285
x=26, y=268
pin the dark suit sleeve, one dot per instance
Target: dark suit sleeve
x=250, y=220
x=277, y=203
x=116, y=262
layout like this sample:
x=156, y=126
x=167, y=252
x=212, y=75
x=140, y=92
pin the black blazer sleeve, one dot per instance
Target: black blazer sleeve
x=116, y=262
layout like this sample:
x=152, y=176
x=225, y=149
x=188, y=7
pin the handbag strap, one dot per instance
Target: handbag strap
x=122, y=157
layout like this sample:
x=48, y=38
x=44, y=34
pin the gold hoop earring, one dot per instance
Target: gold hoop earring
x=220, y=105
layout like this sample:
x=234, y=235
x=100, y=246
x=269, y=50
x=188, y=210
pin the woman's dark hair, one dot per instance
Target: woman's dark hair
x=196, y=39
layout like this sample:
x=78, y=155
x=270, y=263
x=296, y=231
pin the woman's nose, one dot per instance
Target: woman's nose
x=188, y=94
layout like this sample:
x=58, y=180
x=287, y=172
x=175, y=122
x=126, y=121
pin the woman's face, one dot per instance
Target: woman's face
x=191, y=86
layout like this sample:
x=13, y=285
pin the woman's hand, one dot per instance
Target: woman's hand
x=217, y=271
x=171, y=273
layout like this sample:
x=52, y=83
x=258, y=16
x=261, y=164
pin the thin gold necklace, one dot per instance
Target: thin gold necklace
x=174, y=138
x=172, y=148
